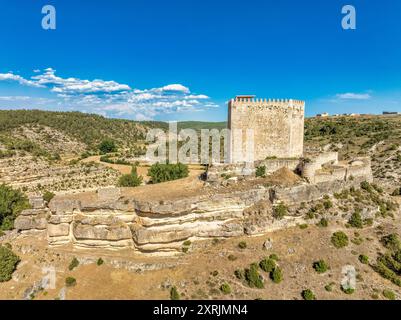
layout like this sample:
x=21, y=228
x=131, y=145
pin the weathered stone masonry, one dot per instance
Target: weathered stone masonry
x=112, y=219
x=278, y=127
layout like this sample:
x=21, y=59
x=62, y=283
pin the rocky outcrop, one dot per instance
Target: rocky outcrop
x=117, y=218
x=309, y=192
x=34, y=218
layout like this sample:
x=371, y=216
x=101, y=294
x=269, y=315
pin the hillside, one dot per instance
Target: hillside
x=304, y=252
x=75, y=132
x=375, y=136
x=49, y=135
x=87, y=129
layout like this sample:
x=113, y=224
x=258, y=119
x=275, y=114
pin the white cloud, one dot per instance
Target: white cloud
x=77, y=86
x=111, y=98
x=197, y=96
x=14, y=77
x=14, y=98
x=175, y=87
x=354, y=96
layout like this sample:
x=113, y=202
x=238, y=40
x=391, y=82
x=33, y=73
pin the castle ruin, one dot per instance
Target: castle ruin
x=277, y=124
x=233, y=200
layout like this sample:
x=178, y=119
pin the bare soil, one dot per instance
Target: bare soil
x=200, y=273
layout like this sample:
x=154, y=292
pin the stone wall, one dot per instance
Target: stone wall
x=272, y=165
x=34, y=218
x=218, y=172
x=113, y=219
x=325, y=167
x=278, y=127
x=310, y=192
x=314, y=162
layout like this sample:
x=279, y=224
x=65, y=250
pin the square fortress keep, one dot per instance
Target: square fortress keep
x=278, y=128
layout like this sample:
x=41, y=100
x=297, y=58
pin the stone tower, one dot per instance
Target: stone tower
x=278, y=127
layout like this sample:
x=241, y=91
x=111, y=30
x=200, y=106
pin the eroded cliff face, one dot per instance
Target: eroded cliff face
x=147, y=226
x=116, y=219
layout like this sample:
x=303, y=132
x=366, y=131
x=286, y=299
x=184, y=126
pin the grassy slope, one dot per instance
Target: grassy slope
x=197, y=125
x=87, y=128
x=376, y=136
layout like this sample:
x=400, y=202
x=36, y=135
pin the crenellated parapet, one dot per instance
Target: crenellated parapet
x=251, y=101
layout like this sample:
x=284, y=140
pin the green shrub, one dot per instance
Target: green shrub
x=329, y=287
x=174, y=295
x=396, y=192
x=363, y=259
x=277, y=275
x=231, y=257
x=310, y=214
x=308, y=295
x=242, y=245
x=107, y=146
x=167, y=172
x=320, y=266
x=303, y=226
x=324, y=223
x=225, y=288
x=239, y=274
x=99, y=262
x=12, y=202
x=368, y=222
x=390, y=295
x=391, y=242
x=347, y=290
x=48, y=196
x=339, y=239
x=7, y=154
x=8, y=263
x=357, y=241
x=280, y=211
x=267, y=264
x=327, y=204
x=130, y=180
x=70, y=282
x=274, y=257
x=261, y=171
x=356, y=220
x=73, y=264
x=253, y=278
x=374, y=296
x=377, y=188
x=386, y=272
x=366, y=186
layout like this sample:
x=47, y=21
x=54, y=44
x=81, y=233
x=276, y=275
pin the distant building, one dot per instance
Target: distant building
x=391, y=113
x=322, y=115
x=351, y=114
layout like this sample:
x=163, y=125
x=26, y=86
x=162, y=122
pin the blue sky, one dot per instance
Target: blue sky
x=183, y=59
